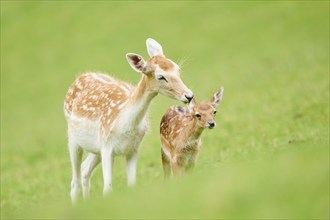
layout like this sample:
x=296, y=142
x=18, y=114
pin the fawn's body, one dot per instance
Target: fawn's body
x=180, y=132
x=107, y=117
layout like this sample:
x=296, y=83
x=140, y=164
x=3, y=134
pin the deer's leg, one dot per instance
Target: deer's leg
x=166, y=164
x=87, y=169
x=176, y=168
x=107, y=165
x=191, y=163
x=131, y=161
x=189, y=168
x=75, y=156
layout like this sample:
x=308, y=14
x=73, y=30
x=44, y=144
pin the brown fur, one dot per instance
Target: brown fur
x=96, y=96
x=162, y=62
x=100, y=97
x=180, y=132
x=108, y=118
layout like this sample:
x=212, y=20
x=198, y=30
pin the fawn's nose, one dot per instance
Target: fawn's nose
x=211, y=124
x=189, y=97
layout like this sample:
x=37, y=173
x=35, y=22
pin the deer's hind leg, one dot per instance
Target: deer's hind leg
x=87, y=169
x=76, y=157
x=166, y=164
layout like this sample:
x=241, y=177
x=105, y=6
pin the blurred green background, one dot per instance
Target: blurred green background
x=267, y=158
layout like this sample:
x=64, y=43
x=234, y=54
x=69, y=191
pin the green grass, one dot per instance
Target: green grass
x=267, y=158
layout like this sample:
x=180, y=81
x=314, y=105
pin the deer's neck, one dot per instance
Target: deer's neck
x=140, y=100
x=195, y=131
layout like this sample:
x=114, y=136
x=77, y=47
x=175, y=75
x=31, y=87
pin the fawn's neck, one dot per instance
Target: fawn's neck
x=195, y=130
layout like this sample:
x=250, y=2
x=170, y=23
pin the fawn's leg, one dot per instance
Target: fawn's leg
x=189, y=168
x=191, y=162
x=176, y=168
x=166, y=164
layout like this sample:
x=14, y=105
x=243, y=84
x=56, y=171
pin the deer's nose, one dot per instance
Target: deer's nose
x=189, y=97
x=211, y=124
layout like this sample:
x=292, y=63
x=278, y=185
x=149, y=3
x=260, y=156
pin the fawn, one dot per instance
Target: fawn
x=107, y=117
x=181, y=130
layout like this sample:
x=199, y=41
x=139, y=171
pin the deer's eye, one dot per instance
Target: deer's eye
x=215, y=112
x=198, y=115
x=162, y=78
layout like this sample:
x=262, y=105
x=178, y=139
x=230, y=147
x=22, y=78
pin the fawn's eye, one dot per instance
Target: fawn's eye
x=198, y=115
x=215, y=112
x=162, y=78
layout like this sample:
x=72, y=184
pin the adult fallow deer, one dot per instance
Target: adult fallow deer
x=107, y=117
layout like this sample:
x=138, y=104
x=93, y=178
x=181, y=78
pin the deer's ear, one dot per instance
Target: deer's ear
x=217, y=97
x=154, y=48
x=191, y=105
x=136, y=61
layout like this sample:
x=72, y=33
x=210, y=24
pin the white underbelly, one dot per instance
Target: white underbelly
x=87, y=135
x=126, y=143
x=127, y=137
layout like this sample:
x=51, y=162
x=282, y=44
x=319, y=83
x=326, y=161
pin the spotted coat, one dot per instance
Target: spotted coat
x=180, y=132
x=96, y=96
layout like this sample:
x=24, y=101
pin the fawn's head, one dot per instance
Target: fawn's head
x=162, y=73
x=204, y=112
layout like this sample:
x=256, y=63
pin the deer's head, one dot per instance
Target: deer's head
x=163, y=75
x=204, y=112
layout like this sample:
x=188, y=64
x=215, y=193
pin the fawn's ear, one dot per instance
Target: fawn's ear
x=217, y=97
x=191, y=105
x=136, y=61
x=154, y=48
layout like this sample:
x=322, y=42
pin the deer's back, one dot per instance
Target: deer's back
x=175, y=127
x=95, y=96
x=176, y=131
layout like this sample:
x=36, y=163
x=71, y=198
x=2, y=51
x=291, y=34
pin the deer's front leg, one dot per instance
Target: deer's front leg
x=107, y=167
x=192, y=161
x=176, y=168
x=131, y=161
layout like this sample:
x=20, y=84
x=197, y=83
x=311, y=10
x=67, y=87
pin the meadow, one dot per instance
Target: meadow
x=268, y=157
